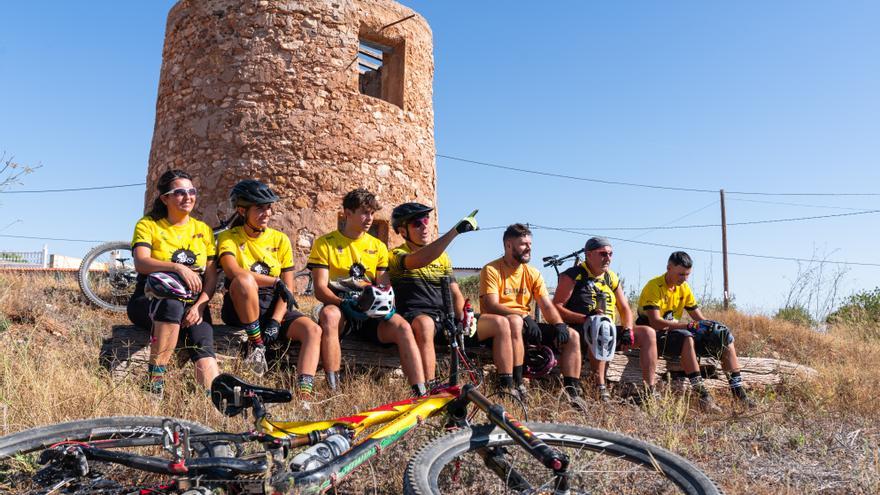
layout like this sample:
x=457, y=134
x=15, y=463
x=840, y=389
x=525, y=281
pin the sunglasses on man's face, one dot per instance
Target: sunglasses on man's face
x=419, y=222
x=605, y=254
x=181, y=192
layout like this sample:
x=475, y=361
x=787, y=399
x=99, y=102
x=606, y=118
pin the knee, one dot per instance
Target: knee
x=574, y=344
x=312, y=330
x=244, y=283
x=647, y=336
x=329, y=316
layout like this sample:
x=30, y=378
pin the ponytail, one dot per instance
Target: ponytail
x=160, y=210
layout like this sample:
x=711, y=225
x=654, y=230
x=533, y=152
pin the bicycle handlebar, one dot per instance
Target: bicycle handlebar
x=556, y=260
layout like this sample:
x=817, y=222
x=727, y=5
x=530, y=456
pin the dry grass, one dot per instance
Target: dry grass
x=807, y=437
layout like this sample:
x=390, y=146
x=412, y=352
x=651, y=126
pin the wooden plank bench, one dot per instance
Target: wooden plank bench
x=127, y=351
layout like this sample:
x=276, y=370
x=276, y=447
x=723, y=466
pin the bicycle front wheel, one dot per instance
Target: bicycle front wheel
x=93, y=430
x=484, y=459
x=107, y=276
x=141, y=435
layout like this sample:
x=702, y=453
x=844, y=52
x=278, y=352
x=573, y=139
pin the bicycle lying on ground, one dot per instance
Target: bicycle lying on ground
x=107, y=276
x=163, y=456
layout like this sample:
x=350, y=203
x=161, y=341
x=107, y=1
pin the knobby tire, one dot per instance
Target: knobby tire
x=86, y=284
x=601, y=462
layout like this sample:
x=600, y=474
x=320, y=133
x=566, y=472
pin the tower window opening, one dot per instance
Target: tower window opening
x=380, y=71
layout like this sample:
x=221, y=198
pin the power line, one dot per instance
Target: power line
x=729, y=224
x=48, y=238
x=635, y=184
x=713, y=203
x=572, y=177
x=747, y=255
x=72, y=189
x=795, y=204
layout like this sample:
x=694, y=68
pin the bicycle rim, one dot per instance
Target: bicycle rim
x=107, y=275
x=600, y=462
x=19, y=452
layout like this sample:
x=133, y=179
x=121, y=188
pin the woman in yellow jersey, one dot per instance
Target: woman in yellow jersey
x=169, y=240
x=254, y=258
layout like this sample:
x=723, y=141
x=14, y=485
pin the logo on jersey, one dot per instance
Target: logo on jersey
x=184, y=257
x=260, y=267
x=357, y=270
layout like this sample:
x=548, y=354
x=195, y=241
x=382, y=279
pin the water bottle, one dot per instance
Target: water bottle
x=320, y=454
x=469, y=322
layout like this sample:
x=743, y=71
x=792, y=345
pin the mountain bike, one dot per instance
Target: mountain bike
x=171, y=456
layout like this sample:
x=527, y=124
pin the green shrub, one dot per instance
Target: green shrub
x=470, y=287
x=861, y=307
x=795, y=314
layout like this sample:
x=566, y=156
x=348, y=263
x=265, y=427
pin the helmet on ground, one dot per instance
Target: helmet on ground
x=539, y=360
x=251, y=192
x=167, y=285
x=407, y=211
x=600, y=335
x=377, y=301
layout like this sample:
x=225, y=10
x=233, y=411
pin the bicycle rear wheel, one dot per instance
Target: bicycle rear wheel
x=600, y=462
x=107, y=276
x=18, y=452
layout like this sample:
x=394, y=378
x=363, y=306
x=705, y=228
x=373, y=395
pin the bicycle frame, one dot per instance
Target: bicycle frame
x=395, y=420
x=399, y=418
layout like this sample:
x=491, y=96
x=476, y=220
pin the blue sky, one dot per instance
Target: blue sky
x=747, y=96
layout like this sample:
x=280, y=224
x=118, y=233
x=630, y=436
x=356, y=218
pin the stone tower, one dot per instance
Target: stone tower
x=314, y=97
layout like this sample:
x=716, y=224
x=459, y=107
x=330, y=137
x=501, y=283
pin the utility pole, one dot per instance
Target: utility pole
x=724, y=251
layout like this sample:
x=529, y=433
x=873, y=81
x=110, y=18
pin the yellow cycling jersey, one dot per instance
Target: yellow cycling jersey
x=190, y=244
x=344, y=257
x=670, y=301
x=269, y=254
x=584, y=298
x=419, y=289
x=516, y=288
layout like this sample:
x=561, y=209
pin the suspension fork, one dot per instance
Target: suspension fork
x=548, y=456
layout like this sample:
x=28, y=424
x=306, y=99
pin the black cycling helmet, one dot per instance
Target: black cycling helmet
x=407, y=211
x=251, y=192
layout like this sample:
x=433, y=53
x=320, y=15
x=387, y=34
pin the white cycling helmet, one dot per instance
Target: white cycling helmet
x=167, y=285
x=377, y=301
x=600, y=335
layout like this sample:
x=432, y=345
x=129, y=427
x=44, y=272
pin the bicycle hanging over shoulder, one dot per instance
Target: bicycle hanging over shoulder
x=171, y=456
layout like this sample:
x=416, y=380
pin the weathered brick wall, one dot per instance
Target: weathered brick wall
x=269, y=89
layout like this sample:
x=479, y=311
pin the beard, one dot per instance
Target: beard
x=523, y=257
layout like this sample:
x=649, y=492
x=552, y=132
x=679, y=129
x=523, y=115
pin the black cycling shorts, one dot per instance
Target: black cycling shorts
x=230, y=316
x=670, y=342
x=548, y=335
x=197, y=339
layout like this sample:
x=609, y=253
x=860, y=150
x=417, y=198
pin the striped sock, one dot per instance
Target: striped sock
x=156, y=375
x=253, y=333
x=736, y=384
x=306, y=384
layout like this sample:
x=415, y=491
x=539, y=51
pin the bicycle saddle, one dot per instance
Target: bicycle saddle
x=231, y=395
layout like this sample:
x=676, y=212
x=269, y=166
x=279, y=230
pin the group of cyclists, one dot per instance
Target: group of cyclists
x=398, y=301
